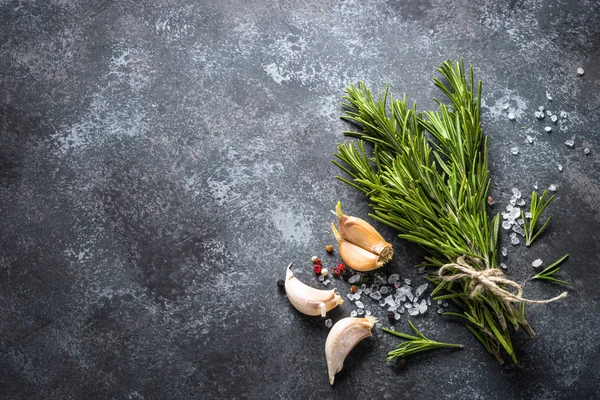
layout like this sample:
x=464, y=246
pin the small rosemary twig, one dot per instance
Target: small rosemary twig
x=414, y=344
x=538, y=205
x=548, y=272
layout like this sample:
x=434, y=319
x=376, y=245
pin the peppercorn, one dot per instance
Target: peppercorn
x=318, y=261
x=391, y=315
x=353, y=289
x=329, y=248
x=324, y=272
x=280, y=283
x=341, y=267
x=335, y=272
x=317, y=269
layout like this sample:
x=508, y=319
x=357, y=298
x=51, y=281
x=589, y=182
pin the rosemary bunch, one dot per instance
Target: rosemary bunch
x=433, y=189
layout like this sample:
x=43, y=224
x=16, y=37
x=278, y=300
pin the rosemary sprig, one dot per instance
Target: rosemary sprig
x=433, y=189
x=414, y=344
x=548, y=272
x=536, y=209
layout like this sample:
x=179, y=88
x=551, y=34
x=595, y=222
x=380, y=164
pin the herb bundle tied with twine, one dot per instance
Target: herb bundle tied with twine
x=428, y=178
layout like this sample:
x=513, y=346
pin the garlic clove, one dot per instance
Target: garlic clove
x=356, y=257
x=308, y=300
x=359, y=232
x=342, y=338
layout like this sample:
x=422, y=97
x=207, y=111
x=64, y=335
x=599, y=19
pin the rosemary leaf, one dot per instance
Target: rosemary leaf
x=548, y=272
x=414, y=344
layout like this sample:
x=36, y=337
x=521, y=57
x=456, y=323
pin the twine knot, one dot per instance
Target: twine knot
x=488, y=279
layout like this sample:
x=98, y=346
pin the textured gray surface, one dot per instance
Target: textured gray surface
x=161, y=162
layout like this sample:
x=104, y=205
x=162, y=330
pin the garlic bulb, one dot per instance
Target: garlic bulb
x=361, y=247
x=308, y=300
x=342, y=338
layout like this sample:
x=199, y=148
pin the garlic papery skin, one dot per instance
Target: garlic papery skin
x=356, y=257
x=362, y=234
x=308, y=300
x=342, y=338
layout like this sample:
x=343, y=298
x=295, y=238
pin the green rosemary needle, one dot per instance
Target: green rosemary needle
x=548, y=272
x=415, y=344
x=537, y=207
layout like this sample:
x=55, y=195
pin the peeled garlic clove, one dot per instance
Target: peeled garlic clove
x=356, y=257
x=308, y=300
x=359, y=232
x=342, y=338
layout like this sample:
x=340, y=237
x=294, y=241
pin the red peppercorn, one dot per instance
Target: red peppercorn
x=317, y=269
x=353, y=289
x=336, y=272
x=318, y=261
x=341, y=267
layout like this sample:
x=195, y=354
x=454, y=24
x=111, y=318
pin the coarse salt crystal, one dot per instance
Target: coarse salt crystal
x=328, y=323
x=552, y=188
x=570, y=143
x=529, y=139
x=503, y=266
x=580, y=71
x=536, y=263
x=504, y=251
x=560, y=167
x=548, y=96
x=586, y=151
x=554, y=118
x=511, y=116
x=514, y=150
x=548, y=129
x=359, y=304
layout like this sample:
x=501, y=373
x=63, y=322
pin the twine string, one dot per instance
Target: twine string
x=488, y=279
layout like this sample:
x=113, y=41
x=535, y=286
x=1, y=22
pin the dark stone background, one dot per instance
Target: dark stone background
x=161, y=162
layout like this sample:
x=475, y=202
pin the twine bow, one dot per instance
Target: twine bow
x=488, y=279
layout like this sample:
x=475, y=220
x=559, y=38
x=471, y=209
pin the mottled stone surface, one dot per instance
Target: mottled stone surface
x=161, y=162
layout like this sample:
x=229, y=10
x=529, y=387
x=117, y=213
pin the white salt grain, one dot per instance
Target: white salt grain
x=570, y=143
x=536, y=263
x=580, y=71
x=514, y=150
x=421, y=289
x=552, y=188
x=554, y=118
x=586, y=151
x=529, y=139
x=548, y=129
x=511, y=116
x=328, y=323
